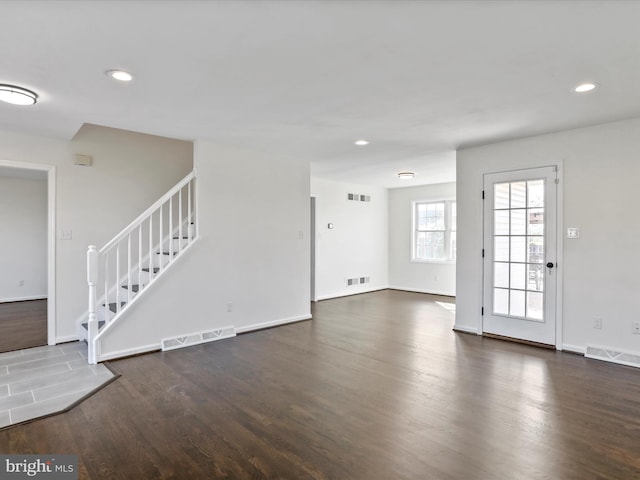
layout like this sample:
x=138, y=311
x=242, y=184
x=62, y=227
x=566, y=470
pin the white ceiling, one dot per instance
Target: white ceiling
x=306, y=79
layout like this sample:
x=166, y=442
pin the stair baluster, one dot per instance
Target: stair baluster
x=171, y=226
x=129, y=268
x=92, y=280
x=117, y=277
x=179, y=224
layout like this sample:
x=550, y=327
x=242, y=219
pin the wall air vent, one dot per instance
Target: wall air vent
x=357, y=281
x=358, y=198
x=614, y=356
x=197, y=338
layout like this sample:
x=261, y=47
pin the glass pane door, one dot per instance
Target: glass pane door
x=520, y=245
x=518, y=249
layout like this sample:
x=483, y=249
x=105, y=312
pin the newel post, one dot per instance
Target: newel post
x=92, y=280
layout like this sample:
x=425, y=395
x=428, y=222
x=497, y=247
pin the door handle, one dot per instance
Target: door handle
x=550, y=265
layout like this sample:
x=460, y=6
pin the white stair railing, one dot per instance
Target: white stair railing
x=119, y=272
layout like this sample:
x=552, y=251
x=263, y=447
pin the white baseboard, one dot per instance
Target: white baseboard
x=573, y=348
x=607, y=354
x=349, y=293
x=465, y=329
x=23, y=299
x=66, y=339
x=273, y=323
x=127, y=352
x=417, y=290
x=197, y=338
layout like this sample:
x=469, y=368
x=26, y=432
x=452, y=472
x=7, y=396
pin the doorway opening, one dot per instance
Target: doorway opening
x=27, y=255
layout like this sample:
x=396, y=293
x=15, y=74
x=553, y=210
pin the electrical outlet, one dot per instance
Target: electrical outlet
x=21, y=283
x=635, y=328
x=229, y=307
x=597, y=322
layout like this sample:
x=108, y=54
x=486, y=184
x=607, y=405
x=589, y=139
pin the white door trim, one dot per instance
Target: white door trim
x=559, y=250
x=559, y=164
x=51, y=242
x=313, y=235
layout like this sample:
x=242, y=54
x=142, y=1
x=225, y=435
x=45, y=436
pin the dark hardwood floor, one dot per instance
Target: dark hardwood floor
x=377, y=386
x=23, y=325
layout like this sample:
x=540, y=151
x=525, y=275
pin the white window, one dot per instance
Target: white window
x=434, y=231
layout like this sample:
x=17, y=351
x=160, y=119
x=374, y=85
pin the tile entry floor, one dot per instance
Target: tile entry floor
x=44, y=380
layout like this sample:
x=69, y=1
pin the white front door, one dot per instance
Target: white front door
x=520, y=268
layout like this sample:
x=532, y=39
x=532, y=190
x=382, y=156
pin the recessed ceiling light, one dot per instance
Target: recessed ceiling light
x=17, y=95
x=361, y=143
x=584, y=87
x=406, y=175
x=120, y=75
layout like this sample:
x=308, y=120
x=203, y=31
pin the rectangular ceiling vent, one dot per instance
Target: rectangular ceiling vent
x=614, y=356
x=358, y=198
x=197, y=338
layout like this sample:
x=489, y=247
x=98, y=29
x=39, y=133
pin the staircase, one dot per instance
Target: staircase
x=119, y=273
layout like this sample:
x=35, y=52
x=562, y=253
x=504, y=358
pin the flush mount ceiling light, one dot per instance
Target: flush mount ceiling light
x=17, y=95
x=361, y=143
x=584, y=87
x=120, y=75
x=406, y=175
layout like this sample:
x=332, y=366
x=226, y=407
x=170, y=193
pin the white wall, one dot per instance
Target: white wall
x=253, y=253
x=130, y=172
x=600, y=270
x=23, y=243
x=357, y=246
x=405, y=274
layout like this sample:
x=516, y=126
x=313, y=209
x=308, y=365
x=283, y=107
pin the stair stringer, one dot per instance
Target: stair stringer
x=125, y=313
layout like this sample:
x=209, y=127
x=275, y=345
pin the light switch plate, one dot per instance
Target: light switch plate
x=573, y=232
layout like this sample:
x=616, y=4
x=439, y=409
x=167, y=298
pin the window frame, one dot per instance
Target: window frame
x=449, y=228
